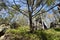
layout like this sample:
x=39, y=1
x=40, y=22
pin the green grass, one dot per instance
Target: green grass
x=22, y=33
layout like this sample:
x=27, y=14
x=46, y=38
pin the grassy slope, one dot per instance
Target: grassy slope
x=22, y=34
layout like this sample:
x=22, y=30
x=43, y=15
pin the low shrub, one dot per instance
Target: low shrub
x=22, y=33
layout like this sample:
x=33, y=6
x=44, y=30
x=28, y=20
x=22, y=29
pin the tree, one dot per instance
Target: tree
x=22, y=20
x=59, y=10
x=2, y=4
x=32, y=6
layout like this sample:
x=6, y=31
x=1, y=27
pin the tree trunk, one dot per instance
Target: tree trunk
x=36, y=26
x=30, y=21
x=59, y=8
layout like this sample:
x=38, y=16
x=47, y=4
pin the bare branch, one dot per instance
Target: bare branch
x=23, y=2
x=32, y=5
x=19, y=9
x=28, y=5
x=41, y=8
x=36, y=4
x=45, y=11
x=21, y=12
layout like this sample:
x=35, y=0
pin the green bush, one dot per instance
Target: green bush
x=57, y=29
x=51, y=34
x=22, y=33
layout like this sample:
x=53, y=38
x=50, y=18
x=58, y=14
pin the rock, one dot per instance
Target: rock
x=3, y=29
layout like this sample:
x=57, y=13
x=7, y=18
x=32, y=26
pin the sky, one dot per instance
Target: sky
x=5, y=14
x=23, y=7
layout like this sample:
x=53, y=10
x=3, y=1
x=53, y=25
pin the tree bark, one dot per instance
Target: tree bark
x=30, y=21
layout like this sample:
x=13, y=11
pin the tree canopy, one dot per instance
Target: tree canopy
x=33, y=7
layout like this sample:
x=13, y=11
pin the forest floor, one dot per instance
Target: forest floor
x=22, y=33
